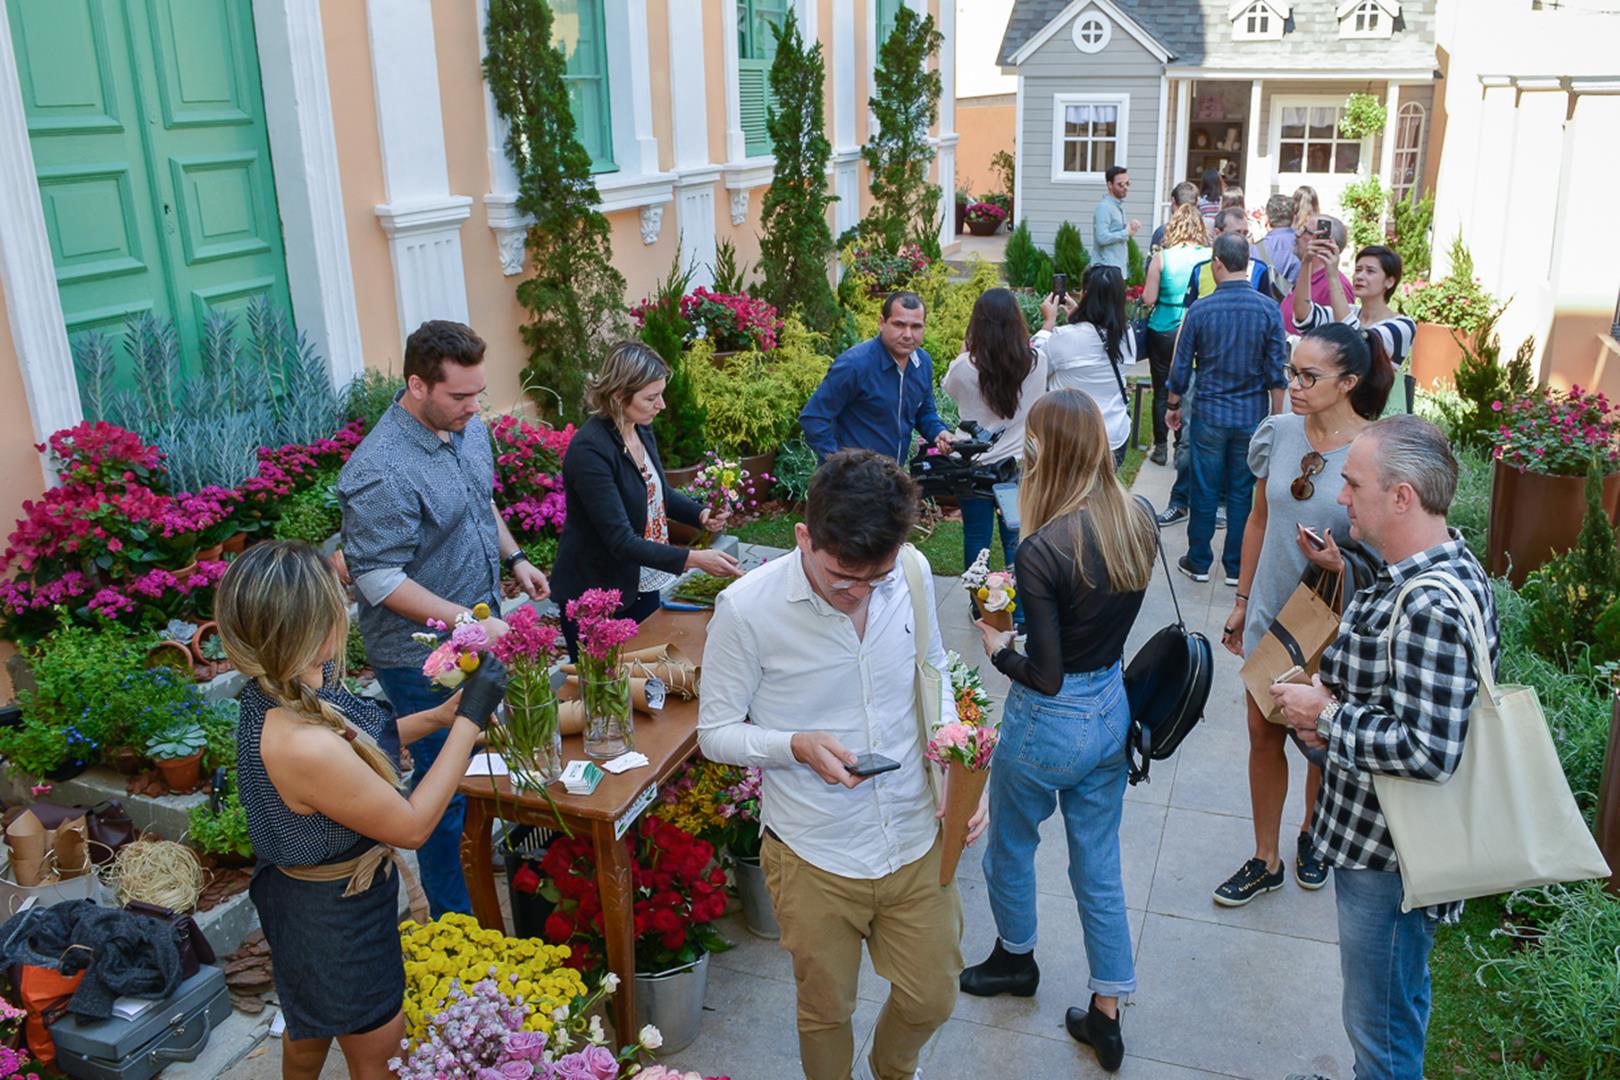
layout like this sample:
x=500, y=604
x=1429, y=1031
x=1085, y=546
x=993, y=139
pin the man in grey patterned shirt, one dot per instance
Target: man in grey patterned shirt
x=423, y=540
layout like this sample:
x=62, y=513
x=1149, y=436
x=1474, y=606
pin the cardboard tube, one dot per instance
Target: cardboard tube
x=666, y=663
x=71, y=848
x=638, y=694
x=963, y=788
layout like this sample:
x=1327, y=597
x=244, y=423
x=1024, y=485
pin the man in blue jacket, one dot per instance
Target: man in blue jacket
x=878, y=392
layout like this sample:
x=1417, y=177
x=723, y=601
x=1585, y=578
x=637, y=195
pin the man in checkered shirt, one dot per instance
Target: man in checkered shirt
x=1409, y=718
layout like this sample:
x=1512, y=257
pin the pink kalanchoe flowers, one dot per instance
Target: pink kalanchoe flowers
x=601, y=635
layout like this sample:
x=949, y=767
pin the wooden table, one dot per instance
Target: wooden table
x=606, y=816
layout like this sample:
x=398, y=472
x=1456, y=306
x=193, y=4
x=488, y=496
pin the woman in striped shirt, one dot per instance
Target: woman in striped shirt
x=1377, y=273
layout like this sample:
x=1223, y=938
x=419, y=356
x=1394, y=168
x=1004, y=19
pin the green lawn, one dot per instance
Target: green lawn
x=1458, y=1044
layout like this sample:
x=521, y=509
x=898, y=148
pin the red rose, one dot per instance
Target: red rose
x=559, y=927
x=526, y=880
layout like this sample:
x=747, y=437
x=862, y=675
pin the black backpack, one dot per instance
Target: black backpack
x=1167, y=684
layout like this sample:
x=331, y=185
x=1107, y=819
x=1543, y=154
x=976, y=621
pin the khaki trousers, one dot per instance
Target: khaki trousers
x=911, y=925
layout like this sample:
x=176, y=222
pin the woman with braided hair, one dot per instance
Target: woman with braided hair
x=317, y=771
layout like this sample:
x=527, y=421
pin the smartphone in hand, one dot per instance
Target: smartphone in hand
x=1313, y=539
x=1060, y=288
x=1324, y=229
x=870, y=764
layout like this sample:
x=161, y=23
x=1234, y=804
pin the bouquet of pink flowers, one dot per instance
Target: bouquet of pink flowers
x=993, y=591
x=964, y=748
x=604, y=687
x=456, y=657
x=725, y=487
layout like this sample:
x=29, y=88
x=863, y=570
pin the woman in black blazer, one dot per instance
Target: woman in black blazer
x=616, y=534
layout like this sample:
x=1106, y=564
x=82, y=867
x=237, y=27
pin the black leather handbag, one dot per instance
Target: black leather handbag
x=1167, y=684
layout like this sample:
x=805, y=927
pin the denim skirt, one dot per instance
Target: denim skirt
x=338, y=964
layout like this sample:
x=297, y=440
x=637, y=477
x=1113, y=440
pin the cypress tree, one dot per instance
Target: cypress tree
x=898, y=154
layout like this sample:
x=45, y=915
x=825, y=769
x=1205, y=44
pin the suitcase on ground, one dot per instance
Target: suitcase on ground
x=139, y=1048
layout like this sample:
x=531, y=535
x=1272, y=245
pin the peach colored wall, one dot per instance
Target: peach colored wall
x=354, y=118
x=658, y=70
x=986, y=125
x=21, y=477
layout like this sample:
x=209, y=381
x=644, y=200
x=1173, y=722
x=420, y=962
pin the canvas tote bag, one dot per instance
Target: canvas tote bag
x=930, y=681
x=1505, y=819
x=1307, y=624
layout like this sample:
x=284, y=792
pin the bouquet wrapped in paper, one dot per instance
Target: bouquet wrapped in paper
x=993, y=591
x=456, y=656
x=964, y=749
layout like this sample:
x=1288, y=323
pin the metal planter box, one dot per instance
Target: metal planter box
x=139, y=1048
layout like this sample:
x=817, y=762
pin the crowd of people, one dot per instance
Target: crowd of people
x=821, y=655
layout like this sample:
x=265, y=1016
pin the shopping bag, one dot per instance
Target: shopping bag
x=1505, y=819
x=1307, y=624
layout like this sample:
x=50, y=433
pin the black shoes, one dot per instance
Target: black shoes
x=1309, y=871
x=1002, y=973
x=1186, y=568
x=1099, y=1031
x=1172, y=515
x=1250, y=881
x=1159, y=455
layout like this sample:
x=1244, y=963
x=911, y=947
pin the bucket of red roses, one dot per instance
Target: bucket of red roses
x=720, y=804
x=678, y=895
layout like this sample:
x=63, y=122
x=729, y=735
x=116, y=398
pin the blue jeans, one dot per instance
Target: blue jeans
x=979, y=523
x=1067, y=750
x=1220, y=463
x=439, y=859
x=1384, y=958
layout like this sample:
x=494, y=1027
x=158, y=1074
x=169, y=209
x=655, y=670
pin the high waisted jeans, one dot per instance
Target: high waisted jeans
x=1064, y=751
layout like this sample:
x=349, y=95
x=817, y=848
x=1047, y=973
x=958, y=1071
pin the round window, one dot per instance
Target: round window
x=1092, y=32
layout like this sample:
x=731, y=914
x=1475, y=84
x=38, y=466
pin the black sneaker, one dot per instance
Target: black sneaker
x=1160, y=454
x=1309, y=871
x=1250, y=881
x=1186, y=568
x=1172, y=515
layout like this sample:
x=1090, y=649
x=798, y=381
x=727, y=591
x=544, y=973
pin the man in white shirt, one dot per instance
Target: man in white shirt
x=818, y=650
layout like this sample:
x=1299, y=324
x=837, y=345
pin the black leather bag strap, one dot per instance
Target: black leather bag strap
x=1164, y=558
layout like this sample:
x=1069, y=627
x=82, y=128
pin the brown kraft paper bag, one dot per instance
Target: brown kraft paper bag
x=1304, y=628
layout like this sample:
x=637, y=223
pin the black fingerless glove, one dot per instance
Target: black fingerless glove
x=483, y=691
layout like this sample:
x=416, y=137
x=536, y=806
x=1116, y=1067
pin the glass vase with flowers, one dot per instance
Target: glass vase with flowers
x=603, y=682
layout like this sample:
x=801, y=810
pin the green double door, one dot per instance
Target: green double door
x=146, y=120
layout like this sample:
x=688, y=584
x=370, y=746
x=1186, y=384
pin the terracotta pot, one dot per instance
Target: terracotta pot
x=682, y=534
x=983, y=228
x=676, y=479
x=171, y=653
x=182, y=774
x=760, y=463
x=126, y=760
x=185, y=571
x=1435, y=354
x=1608, y=815
x=207, y=630
x=1535, y=517
x=209, y=554
x=236, y=544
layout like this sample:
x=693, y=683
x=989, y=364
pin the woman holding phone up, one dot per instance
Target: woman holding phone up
x=1336, y=386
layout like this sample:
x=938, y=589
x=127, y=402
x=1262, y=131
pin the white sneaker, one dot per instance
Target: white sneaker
x=863, y=1069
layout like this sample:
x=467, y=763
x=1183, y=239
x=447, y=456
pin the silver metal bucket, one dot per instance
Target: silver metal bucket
x=758, y=914
x=672, y=1001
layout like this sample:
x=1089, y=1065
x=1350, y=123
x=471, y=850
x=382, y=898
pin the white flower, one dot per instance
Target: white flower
x=610, y=983
x=596, y=1034
x=560, y=1014
x=651, y=1037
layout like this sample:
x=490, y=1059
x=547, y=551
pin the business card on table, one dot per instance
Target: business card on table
x=656, y=693
x=581, y=777
x=630, y=759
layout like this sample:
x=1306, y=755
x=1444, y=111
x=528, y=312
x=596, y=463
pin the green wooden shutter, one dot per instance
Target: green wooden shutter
x=886, y=13
x=580, y=32
x=756, y=49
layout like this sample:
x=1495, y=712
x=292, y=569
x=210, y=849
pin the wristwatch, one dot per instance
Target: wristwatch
x=1325, y=718
x=509, y=562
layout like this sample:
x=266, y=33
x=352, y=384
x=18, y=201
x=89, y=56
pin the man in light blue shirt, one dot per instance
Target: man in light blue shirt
x=1110, y=231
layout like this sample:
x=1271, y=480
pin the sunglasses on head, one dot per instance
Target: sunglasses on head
x=1310, y=465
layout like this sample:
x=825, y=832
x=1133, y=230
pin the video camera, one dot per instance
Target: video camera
x=956, y=473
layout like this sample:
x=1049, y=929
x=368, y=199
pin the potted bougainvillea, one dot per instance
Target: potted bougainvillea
x=732, y=322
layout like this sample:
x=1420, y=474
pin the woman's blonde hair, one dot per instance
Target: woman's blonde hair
x=1306, y=204
x=629, y=366
x=279, y=608
x=1068, y=467
x=1187, y=226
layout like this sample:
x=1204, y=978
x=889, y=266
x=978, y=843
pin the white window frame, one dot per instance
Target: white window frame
x=1061, y=102
x=1384, y=13
x=1085, y=18
x=1274, y=16
x=744, y=172
x=1313, y=101
x=1415, y=152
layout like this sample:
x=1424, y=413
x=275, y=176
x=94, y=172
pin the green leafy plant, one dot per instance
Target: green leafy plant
x=1364, y=199
x=369, y=396
x=221, y=833
x=1484, y=387
x=1069, y=255
x=575, y=297
x=541, y=551
x=311, y=515
x=680, y=428
x=1363, y=115
x=354, y=653
x=898, y=154
x=219, y=734
x=795, y=464
x=753, y=399
x=1021, y=258
x=795, y=241
x=1135, y=264
x=1459, y=301
x=1005, y=166
x=1411, y=221
x=35, y=748
x=179, y=739
x=730, y=276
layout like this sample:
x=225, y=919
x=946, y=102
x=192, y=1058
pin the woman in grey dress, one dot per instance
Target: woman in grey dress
x=1336, y=387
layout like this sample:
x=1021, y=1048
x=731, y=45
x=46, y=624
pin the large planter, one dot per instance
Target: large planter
x=1436, y=352
x=1535, y=517
x=672, y=1001
x=676, y=479
x=171, y=654
x=1608, y=815
x=961, y=217
x=984, y=228
x=758, y=914
x=760, y=464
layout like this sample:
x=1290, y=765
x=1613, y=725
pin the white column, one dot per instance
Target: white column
x=695, y=177
x=421, y=217
x=635, y=147
x=947, y=123
x=511, y=228
x=38, y=327
x=1179, y=134
x=1158, y=149
x=736, y=141
x=1256, y=180
x=846, y=152
x=309, y=190
x=1392, y=127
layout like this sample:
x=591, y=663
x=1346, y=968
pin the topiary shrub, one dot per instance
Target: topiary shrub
x=1135, y=264
x=906, y=105
x=1021, y=257
x=1069, y=255
x=1412, y=222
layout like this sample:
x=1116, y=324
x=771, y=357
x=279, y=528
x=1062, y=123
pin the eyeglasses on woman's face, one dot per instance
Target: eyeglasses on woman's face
x=1306, y=377
x=1310, y=465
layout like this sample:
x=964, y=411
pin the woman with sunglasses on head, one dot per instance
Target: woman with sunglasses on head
x=1086, y=346
x=1377, y=273
x=1337, y=385
x=1083, y=567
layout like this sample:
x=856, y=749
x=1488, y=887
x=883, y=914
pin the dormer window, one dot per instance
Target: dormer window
x=1258, y=20
x=1368, y=18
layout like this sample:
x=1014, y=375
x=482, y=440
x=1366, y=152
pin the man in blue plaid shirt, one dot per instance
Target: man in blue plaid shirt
x=1402, y=717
